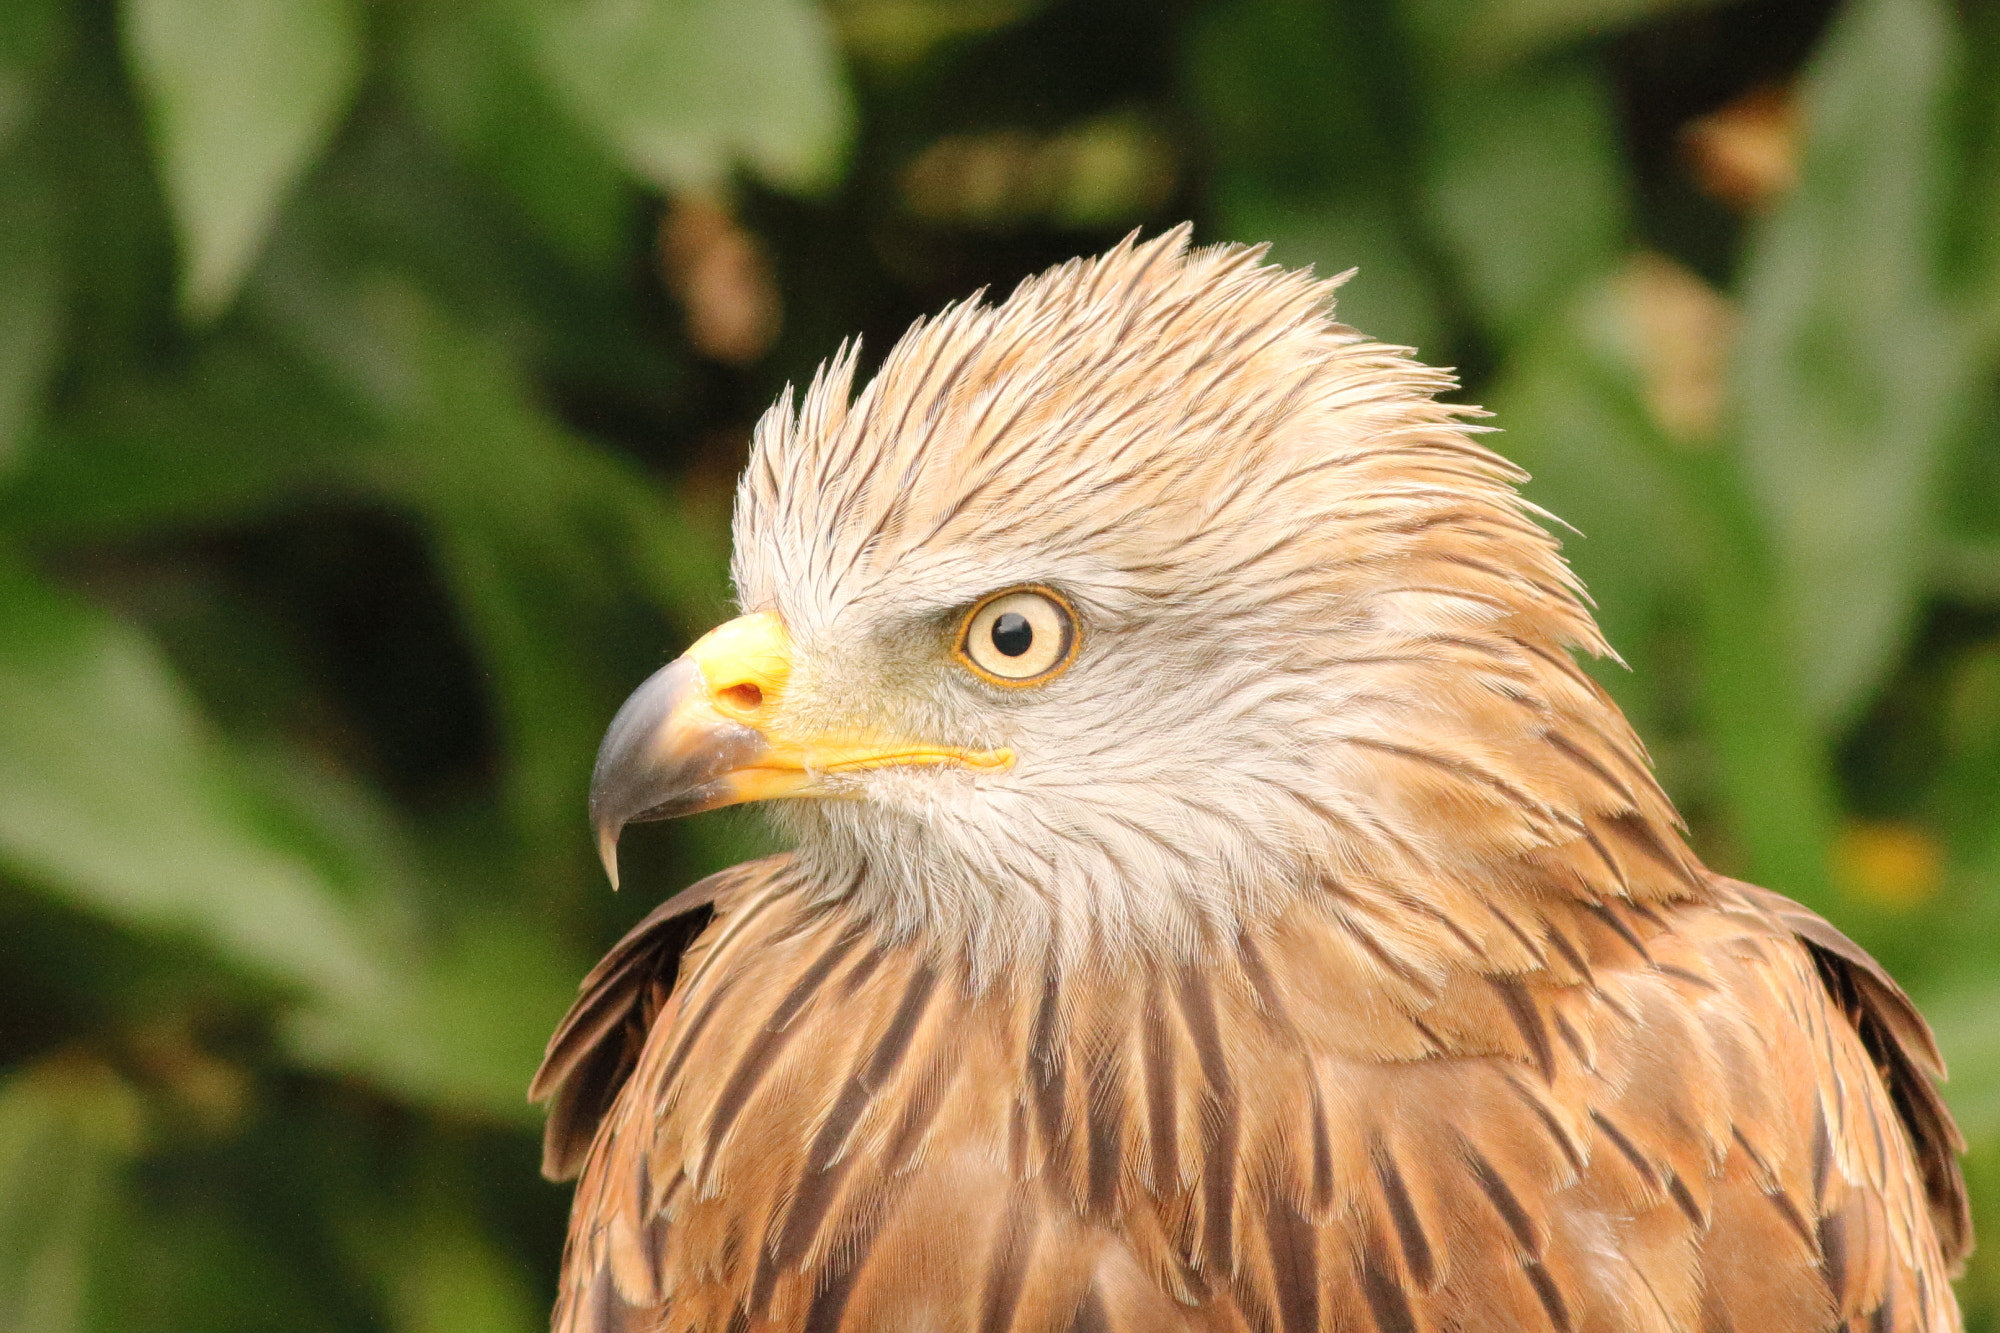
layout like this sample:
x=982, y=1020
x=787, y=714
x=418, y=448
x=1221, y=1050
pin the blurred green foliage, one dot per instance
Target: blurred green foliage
x=373, y=372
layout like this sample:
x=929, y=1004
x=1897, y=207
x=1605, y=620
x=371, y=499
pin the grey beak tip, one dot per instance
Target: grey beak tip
x=607, y=851
x=643, y=775
x=622, y=777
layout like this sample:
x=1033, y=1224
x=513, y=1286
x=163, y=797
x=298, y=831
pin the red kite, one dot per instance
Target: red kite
x=1219, y=902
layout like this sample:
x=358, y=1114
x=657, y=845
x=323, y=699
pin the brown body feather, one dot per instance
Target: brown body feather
x=1709, y=1111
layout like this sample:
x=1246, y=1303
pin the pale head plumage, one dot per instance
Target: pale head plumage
x=1324, y=638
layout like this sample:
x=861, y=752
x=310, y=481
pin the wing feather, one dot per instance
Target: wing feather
x=1903, y=1050
x=597, y=1044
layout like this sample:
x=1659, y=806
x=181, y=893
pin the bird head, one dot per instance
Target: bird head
x=1127, y=607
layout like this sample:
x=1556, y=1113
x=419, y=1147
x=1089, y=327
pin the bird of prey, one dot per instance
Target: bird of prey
x=1219, y=900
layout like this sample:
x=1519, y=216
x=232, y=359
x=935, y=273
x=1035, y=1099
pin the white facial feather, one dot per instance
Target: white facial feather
x=1324, y=642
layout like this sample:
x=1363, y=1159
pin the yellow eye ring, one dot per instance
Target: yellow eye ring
x=1018, y=637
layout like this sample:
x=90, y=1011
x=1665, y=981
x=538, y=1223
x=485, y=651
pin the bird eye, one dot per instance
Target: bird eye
x=1020, y=637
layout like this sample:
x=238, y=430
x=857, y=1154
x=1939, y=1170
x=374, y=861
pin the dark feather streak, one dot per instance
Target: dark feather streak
x=1605, y=913
x=1388, y=1303
x=1294, y=1267
x=1572, y=1152
x=1626, y=1149
x=1684, y=1200
x=771, y=1040
x=1046, y=1070
x=1639, y=832
x=821, y=1179
x=1550, y=1296
x=1007, y=1273
x=1159, y=1061
x=1218, y=1176
x=1505, y=1202
x=1418, y=1259
x=1527, y=1021
x=1322, y=1149
x=1833, y=1253
x=1105, y=1131
x=1091, y=1316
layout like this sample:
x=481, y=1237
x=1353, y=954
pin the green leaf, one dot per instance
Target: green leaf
x=1773, y=768
x=1853, y=373
x=1968, y=794
x=1390, y=296
x=31, y=293
x=508, y=497
x=1965, y=563
x=1963, y=1019
x=542, y=538
x=1525, y=187
x=200, y=449
x=1976, y=239
x=1300, y=102
x=67, y=1128
x=114, y=796
x=450, y=1278
x=470, y=82
x=30, y=38
x=1487, y=34
x=1667, y=539
x=436, y=1263
x=242, y=95
x=464, y=1027
x=683, y=90
x=1570, y=412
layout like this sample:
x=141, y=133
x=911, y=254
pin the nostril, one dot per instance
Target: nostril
x=744, y=697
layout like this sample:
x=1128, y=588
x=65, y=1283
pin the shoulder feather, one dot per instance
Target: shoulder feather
x=598, y=1041
x=1904, y=1052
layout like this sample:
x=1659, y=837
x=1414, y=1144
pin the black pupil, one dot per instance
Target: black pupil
x=1012, y=634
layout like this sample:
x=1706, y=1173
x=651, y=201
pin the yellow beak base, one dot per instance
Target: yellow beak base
x=702, y=732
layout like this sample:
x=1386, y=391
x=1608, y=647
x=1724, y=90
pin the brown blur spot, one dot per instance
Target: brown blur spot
x=214, y=1093
x=722, y=278
x=1681, y=332
x=1113, y=169
x=708, y=479
x=1747, y=154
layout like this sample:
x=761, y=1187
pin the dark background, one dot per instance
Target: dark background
x=373, y=375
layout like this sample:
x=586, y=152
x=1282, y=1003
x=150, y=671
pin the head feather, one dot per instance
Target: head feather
x=1333, y=638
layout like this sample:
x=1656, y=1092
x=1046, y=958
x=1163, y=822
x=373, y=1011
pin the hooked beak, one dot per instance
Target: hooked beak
x=703, y=732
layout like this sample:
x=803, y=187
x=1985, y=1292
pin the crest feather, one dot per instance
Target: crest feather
x=1193, y=416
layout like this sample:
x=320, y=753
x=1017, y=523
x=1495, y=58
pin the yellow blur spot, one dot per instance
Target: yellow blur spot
x=1896, y=866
